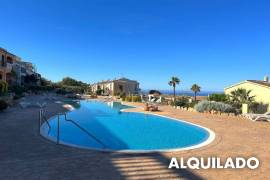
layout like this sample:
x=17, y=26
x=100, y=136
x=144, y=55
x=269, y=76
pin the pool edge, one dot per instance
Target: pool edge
x=209, y=140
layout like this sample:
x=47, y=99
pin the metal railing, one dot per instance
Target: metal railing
x=42, y=118
x=85, y=131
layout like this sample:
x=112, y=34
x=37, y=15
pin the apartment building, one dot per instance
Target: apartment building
x=14, y=71
x=117, y=86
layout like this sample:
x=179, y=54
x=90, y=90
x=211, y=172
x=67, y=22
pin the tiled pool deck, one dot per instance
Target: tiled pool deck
x=24, y=154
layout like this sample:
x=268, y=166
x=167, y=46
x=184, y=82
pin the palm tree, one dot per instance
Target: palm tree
x=195, y=88
x=173, y=82
x=241, y=96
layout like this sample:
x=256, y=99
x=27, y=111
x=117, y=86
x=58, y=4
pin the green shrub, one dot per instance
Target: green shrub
x=192, y=105
x=3, y=88
x=34, y=88
x=136, y=98
x=69, y=90
x=203, y=106
x=99, y=91
x=208, y=106
x=182, y=102
x=61, y=91
x=3, y=105
x=122, y=96
x=49, y=87
x=133, y=98
x=74, y=89
x=128, y=98
x=37, y=88
x=18, y=90
x=45, y=82
x=258, y=108
x=67, y=81
x=88, y=91
x=218, y=97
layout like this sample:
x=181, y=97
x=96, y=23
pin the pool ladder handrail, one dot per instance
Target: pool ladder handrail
x=78, y=126
x=42, y=116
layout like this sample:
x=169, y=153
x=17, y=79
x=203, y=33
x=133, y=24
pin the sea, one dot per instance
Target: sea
x=186, y=93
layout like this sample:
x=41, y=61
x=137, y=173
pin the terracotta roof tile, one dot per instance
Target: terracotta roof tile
x=264, y=83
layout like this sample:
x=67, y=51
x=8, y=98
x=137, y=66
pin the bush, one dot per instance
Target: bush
x=132, y=98
x=182, y=102
x=122, y=95
x=49, y=87
x=257, y=107
x=3, y=105
x=209, y=106
x=88, y=91
x=192, y=105
x=61, y=91
x=69, y=90
x=128, y=98
x=45, y=82
x=136, y=98
x=67, y=81
x=99, y=91
x=3, y=88
x=34, y=88
x=218, y=97
x=74, y=89
x=18, y=90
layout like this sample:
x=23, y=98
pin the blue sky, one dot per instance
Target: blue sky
x=213, y=43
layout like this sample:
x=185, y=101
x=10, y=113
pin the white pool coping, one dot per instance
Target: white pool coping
x=209, y=140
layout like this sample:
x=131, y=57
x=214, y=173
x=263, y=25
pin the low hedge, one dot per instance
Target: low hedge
x=208, y=106
x=132, y=98
x=3, y=88
x=70, y=89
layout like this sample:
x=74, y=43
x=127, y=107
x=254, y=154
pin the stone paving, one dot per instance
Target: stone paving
x=24, y=154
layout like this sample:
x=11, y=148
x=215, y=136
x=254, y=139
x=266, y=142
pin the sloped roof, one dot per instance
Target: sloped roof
x=7, y=52
x=125, y=79
x=264, y=83
x=261, y=83
x=120, y=79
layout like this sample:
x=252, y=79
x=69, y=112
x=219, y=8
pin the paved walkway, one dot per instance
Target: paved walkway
x=24, y=154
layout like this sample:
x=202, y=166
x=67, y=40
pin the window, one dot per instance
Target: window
x=9, y=60
x=121, y=88
x=23, y=70
x=3, y=60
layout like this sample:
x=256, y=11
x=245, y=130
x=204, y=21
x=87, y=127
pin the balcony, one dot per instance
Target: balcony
x=6, y=67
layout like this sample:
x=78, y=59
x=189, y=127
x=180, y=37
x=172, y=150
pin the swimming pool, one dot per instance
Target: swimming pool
x=103, y=126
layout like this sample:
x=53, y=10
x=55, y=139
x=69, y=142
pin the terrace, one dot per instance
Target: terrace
x=24, y=154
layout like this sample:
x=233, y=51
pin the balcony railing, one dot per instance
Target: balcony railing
x=8, y=67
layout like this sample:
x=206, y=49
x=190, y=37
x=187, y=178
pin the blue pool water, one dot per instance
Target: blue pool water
x=101, y=125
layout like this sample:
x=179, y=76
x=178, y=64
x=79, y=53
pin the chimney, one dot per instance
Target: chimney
x=266, y=79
